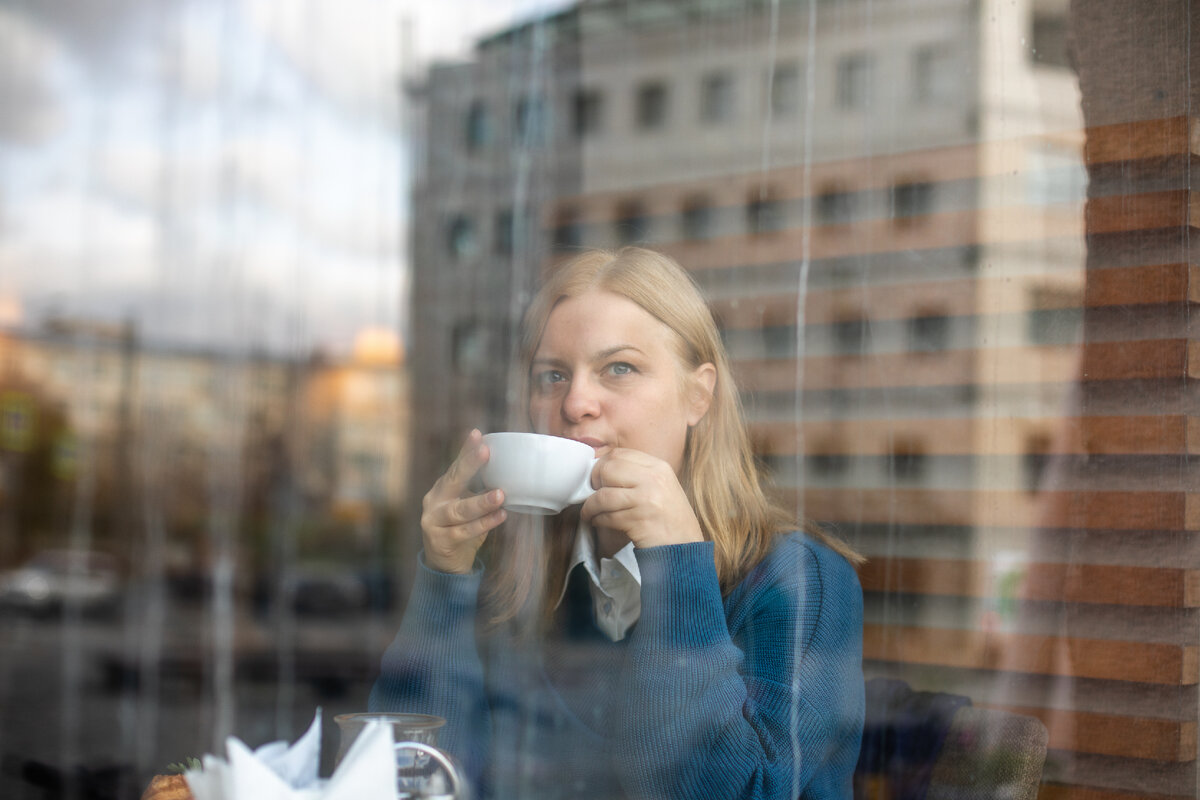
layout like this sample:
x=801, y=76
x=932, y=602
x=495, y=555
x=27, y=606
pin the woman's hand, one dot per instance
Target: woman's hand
x=454, y=524
x=640, y=496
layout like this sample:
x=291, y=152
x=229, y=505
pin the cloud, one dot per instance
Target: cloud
x=191, y=60
x=344, y=197
x=241, y=178
x=28, y=60
x=354, y=52
x=348, y=51
x=64, y=251
x=98, y=32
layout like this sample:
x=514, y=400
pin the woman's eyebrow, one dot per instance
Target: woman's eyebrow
x=612, y=351
x=607, y=352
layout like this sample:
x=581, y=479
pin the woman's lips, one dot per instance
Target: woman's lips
x=595, y=444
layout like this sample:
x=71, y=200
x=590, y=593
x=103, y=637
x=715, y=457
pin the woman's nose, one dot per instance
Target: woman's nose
x=581, y=400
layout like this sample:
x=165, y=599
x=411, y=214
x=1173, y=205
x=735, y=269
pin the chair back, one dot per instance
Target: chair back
x=990, y=755
x=920, y=745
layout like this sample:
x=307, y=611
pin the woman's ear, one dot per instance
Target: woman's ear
x=703, y=382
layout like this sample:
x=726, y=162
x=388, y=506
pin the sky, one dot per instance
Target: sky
x=224, y=173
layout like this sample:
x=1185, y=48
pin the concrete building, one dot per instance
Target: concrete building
x=911, y=170
x=981, y=386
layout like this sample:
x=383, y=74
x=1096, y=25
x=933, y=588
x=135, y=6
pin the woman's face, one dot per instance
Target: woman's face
x=606, y=373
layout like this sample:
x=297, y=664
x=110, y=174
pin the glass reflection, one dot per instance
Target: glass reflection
x=262, y=265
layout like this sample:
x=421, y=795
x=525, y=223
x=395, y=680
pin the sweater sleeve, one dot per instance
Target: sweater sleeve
x=433, y=665
x=756, y=697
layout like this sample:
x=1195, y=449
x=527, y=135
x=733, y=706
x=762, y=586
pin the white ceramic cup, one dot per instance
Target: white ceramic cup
x=539, y=474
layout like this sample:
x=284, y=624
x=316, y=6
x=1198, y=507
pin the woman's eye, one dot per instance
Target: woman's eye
x=547, y=378
x=621, y=368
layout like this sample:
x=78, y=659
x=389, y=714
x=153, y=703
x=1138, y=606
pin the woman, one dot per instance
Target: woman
x=674, y=636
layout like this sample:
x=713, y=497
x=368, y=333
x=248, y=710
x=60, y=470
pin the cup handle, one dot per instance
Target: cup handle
x=585, y=489
x=451, y=770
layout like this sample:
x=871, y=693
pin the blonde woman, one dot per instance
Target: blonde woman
x=675, y=636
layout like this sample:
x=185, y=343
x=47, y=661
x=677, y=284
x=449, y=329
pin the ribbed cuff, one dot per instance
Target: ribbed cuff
x=440, y=599
x=681, y=596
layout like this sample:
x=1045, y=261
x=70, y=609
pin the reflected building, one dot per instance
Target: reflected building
x=940, y=354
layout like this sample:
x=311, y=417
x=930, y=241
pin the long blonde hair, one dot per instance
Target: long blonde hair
x=720, y=474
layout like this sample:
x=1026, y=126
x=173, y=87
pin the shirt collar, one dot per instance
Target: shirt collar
x=615, y=583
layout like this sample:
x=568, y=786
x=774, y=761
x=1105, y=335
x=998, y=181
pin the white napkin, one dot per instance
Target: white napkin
x=276, y=771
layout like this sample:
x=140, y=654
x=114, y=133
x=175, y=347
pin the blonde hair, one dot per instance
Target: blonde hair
x=720, y=474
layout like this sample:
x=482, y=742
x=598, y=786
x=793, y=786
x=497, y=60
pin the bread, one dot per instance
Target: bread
x=168, y=787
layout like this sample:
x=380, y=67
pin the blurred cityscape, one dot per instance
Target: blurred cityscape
x=121, y=545
x=948, y=246
x=89, y=408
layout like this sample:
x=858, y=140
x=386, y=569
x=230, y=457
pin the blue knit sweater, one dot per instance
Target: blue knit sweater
x=755, y=695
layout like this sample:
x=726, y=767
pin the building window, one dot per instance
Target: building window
x=1049, y=39
x=502, y=233
x=764, y=212
x=469, y=346
x=786, y=89
x=836, y=205
x=651, y=112
x=854, y=76
x=779, y=340
x=1055, y=315
x=1035, y=459
x=911, y=199
x=568, y=229
x=971, y=255
x=850, y=336
x=587, y=113
x=928, y=333
x=716, y=98
x=478, y=127
x=697, y=217
x=934, y=77
x=907, y=461
x=829, y=464
x=460, y=238
x=632, y=223
x=529, y=120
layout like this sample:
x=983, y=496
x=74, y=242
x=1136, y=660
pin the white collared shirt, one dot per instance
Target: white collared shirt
x=615, y=584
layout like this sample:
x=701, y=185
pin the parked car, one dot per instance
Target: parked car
x=57, y=579
x=322, y=590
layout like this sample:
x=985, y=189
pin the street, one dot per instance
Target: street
x=83, y=719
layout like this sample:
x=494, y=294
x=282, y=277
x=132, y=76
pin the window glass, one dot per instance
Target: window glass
x=588, y=112
x=529, y=120
x=651, y=106
x=787, y=88
x=765, y=212
x=632, y=225
x=461, y=238
x=716, y=98
x=697, y=218
x=854, y=75
x=876, y=318
x=934, y=77
x=503, y=233
x=478, y=127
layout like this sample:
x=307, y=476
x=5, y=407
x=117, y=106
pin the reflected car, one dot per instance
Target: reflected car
x=54, y=580
x=324, y=591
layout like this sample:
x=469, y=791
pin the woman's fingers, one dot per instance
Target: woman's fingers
x=473, y=455
x=465, y=513
x=641, y=496
x=454, y=531
x=611, y=507
x=454, y=525
x=633, y=469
